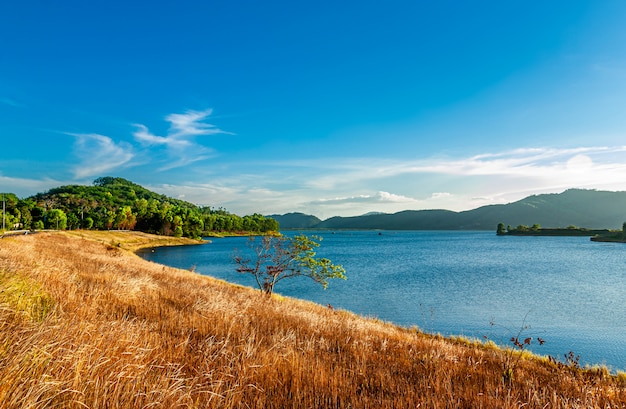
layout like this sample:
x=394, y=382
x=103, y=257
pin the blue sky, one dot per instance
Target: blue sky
x=327, y=108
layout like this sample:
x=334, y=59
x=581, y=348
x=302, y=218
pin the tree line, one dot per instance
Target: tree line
x=116, y=203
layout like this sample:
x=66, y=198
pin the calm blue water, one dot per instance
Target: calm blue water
x=569, y=290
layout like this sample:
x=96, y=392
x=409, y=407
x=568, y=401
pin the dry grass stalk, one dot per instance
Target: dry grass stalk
x=87, y=324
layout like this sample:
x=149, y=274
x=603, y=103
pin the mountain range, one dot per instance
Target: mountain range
x=574, y=207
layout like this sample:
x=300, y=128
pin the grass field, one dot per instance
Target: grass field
x=85, y=323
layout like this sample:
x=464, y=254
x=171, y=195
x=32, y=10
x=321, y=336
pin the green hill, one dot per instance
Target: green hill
x=116, y=203
x=296, y=220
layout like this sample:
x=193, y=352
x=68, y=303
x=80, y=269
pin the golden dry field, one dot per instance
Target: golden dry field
x=86, y=323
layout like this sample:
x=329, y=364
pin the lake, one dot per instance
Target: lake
x=568, y=290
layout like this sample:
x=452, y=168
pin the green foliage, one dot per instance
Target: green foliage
x=278, y=258
x=73, y=222
x=116, y=203
x=56, y=219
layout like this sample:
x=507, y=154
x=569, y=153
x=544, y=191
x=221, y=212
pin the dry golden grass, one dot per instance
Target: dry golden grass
x=85, y=323
x=130, y=240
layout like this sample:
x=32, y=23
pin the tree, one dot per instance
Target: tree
x=72, y=221
x=500, y=231
x=125, y=219
x=87, y=223
x=57, y=219
x=193, y=226
x=27, y=217
x=177, y=223
x=279, y=257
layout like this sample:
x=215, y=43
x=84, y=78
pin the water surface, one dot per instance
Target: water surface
x=568, y=290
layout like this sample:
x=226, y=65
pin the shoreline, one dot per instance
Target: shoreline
x=132, y=240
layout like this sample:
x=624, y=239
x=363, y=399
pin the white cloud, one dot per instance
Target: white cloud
x=202, y=194
x=182, y=150
x=99, y=154
x=544, y=163
x=579, y=163
x=190, y=123
x=440, y=195
x=23, y=187
x=144, y=136
x=379, y=197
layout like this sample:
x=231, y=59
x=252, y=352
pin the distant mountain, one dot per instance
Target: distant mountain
x=406, y=220
x=373, y=213
x=296, y=220
x=575, y=207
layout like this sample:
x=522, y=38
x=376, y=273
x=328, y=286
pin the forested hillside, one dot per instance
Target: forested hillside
x=116, y=203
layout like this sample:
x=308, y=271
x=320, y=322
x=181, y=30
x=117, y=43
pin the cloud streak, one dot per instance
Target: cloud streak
x=23, y=187
x=99, y=154
x=544, y=163
x=379, y=197
x=179, y=143
x=191, y=124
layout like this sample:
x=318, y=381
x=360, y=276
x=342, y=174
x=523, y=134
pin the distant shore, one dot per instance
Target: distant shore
x=555, y=232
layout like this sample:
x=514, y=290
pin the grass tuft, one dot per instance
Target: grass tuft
x=24, y=296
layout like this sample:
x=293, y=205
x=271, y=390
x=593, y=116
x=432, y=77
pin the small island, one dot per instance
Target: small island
x=615, y=236
x=601, y=235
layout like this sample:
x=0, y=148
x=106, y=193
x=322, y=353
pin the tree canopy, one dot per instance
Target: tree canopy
x=278, y=258
x=116, y=203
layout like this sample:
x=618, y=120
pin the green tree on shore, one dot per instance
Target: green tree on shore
x=278, y=258
x=56, y=219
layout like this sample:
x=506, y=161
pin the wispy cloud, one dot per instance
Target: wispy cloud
x=379, y=197
x=23, y=187
x=181, y=148
x=98, y=154
x=191, y=123
x=545, y=163
x=143, y=135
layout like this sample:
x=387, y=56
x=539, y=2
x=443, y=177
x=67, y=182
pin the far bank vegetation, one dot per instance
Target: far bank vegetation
x=537, y=230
